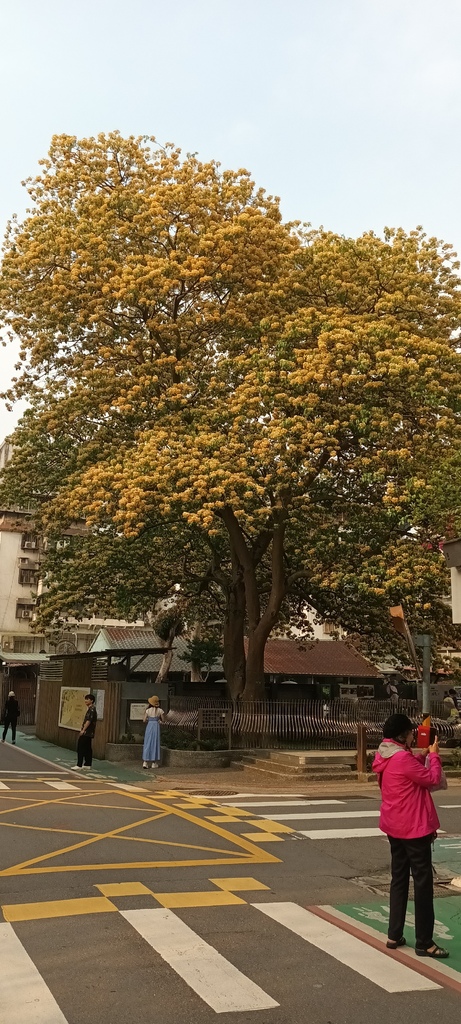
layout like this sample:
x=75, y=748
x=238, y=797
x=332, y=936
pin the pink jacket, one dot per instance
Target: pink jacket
x=407, y=808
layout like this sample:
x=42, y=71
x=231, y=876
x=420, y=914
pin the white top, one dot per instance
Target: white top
x=154, y=712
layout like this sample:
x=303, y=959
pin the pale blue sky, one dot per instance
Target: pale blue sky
x=348, y=109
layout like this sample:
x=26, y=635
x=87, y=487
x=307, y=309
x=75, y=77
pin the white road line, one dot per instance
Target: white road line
x=449, y=806
x=245, y=796
x=287, y=803
x=24, y=996
x=37, y=771
x=382, y=970
x=342, y=833
x=209, y=974
x=61, y=785
x=124, y=785
x=322, y=814
x=3, y=786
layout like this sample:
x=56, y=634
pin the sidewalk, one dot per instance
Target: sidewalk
x=224, y=781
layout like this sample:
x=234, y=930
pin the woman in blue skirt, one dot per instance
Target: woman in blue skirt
x=151, y=751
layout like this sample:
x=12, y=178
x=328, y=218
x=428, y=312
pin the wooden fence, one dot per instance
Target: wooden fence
x=90, y=673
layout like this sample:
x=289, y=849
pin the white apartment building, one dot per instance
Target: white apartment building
x=22, y=551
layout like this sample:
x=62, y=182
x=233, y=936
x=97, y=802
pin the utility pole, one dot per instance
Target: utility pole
x=423, y=641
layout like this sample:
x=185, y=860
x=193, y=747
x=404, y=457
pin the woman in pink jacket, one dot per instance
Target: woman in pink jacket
x=409, y=819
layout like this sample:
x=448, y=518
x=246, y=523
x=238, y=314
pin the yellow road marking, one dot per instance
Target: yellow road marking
x=252, y=853
x=260, y=857
x=78, y=846
x=221, y=820
x=235, y=884
x=41, y=828
x=236, y=840
x=260, y=837
x=58, y=908
x=270, y=826
x=175, y=900
x=43, y=803
x=124, y=889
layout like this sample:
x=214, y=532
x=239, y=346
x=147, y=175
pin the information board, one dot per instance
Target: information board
x=137, y=712
x=72, y=707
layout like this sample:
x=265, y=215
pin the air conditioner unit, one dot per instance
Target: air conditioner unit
x=6, y=645
x=26, y=613
x=30, y=545
x=23, y=561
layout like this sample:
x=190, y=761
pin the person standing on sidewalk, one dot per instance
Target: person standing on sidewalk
x=10, y=716
x=409, y=818
x=85, y=739
x=151, y=751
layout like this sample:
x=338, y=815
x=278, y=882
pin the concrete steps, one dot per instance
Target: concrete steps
x=332, y=766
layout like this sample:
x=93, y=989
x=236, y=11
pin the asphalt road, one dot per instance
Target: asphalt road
x=124, y=903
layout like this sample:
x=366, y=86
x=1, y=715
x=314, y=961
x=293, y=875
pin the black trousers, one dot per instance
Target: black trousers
x=13, y=722
x=84, y=751
x=413, y=855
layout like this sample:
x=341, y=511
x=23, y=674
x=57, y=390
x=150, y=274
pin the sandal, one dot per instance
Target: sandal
x=437, y=953
x=395, y=945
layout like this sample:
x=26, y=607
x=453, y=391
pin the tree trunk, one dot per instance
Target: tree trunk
x=196, y=668
x=162, y=674
x=254, y=685
x=234, y=647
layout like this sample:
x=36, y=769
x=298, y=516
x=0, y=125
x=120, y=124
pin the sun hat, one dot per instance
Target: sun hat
x=154, y=701
x=397, y=725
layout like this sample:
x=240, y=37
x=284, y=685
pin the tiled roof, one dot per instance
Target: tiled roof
x=124, y=636
x=282, y=657
x=318, y=658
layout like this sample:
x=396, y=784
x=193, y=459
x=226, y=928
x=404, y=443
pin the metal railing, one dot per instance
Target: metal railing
x=301, y=724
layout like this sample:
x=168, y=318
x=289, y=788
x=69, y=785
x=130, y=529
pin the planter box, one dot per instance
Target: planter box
x=195, y=760
x=191, y=760
x=124, y=751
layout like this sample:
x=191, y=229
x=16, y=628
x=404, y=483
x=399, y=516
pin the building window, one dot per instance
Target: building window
x=23, y=610
x=329, y=628
x=29, y=542
x=23, y=646
x=28, y=577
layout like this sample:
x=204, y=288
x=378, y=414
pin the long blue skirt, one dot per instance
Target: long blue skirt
x=151, y=748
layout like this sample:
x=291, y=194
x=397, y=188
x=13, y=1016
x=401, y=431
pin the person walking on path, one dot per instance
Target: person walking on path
x=85, y=739
x=409, y=818
x=151, y=751
x=10, y=717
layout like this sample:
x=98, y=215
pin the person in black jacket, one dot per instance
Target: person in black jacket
x=10, y=716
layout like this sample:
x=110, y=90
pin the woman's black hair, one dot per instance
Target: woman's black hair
x=397, y=727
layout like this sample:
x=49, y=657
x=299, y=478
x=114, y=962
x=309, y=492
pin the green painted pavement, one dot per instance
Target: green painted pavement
x=447, y=856
x=447, y=930
x=66, y=758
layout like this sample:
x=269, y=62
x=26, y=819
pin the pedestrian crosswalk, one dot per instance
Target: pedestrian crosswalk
x=297, y=812
x=198, y=959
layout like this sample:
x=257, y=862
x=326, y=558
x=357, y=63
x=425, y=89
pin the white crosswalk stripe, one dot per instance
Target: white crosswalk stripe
x=316, y=815
x=285, y=803
x=61, y=785
x=209, y=974
x=342, y=833
x=24, y=996
x=389, y=974
x=3, y=786
x=125, y=785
